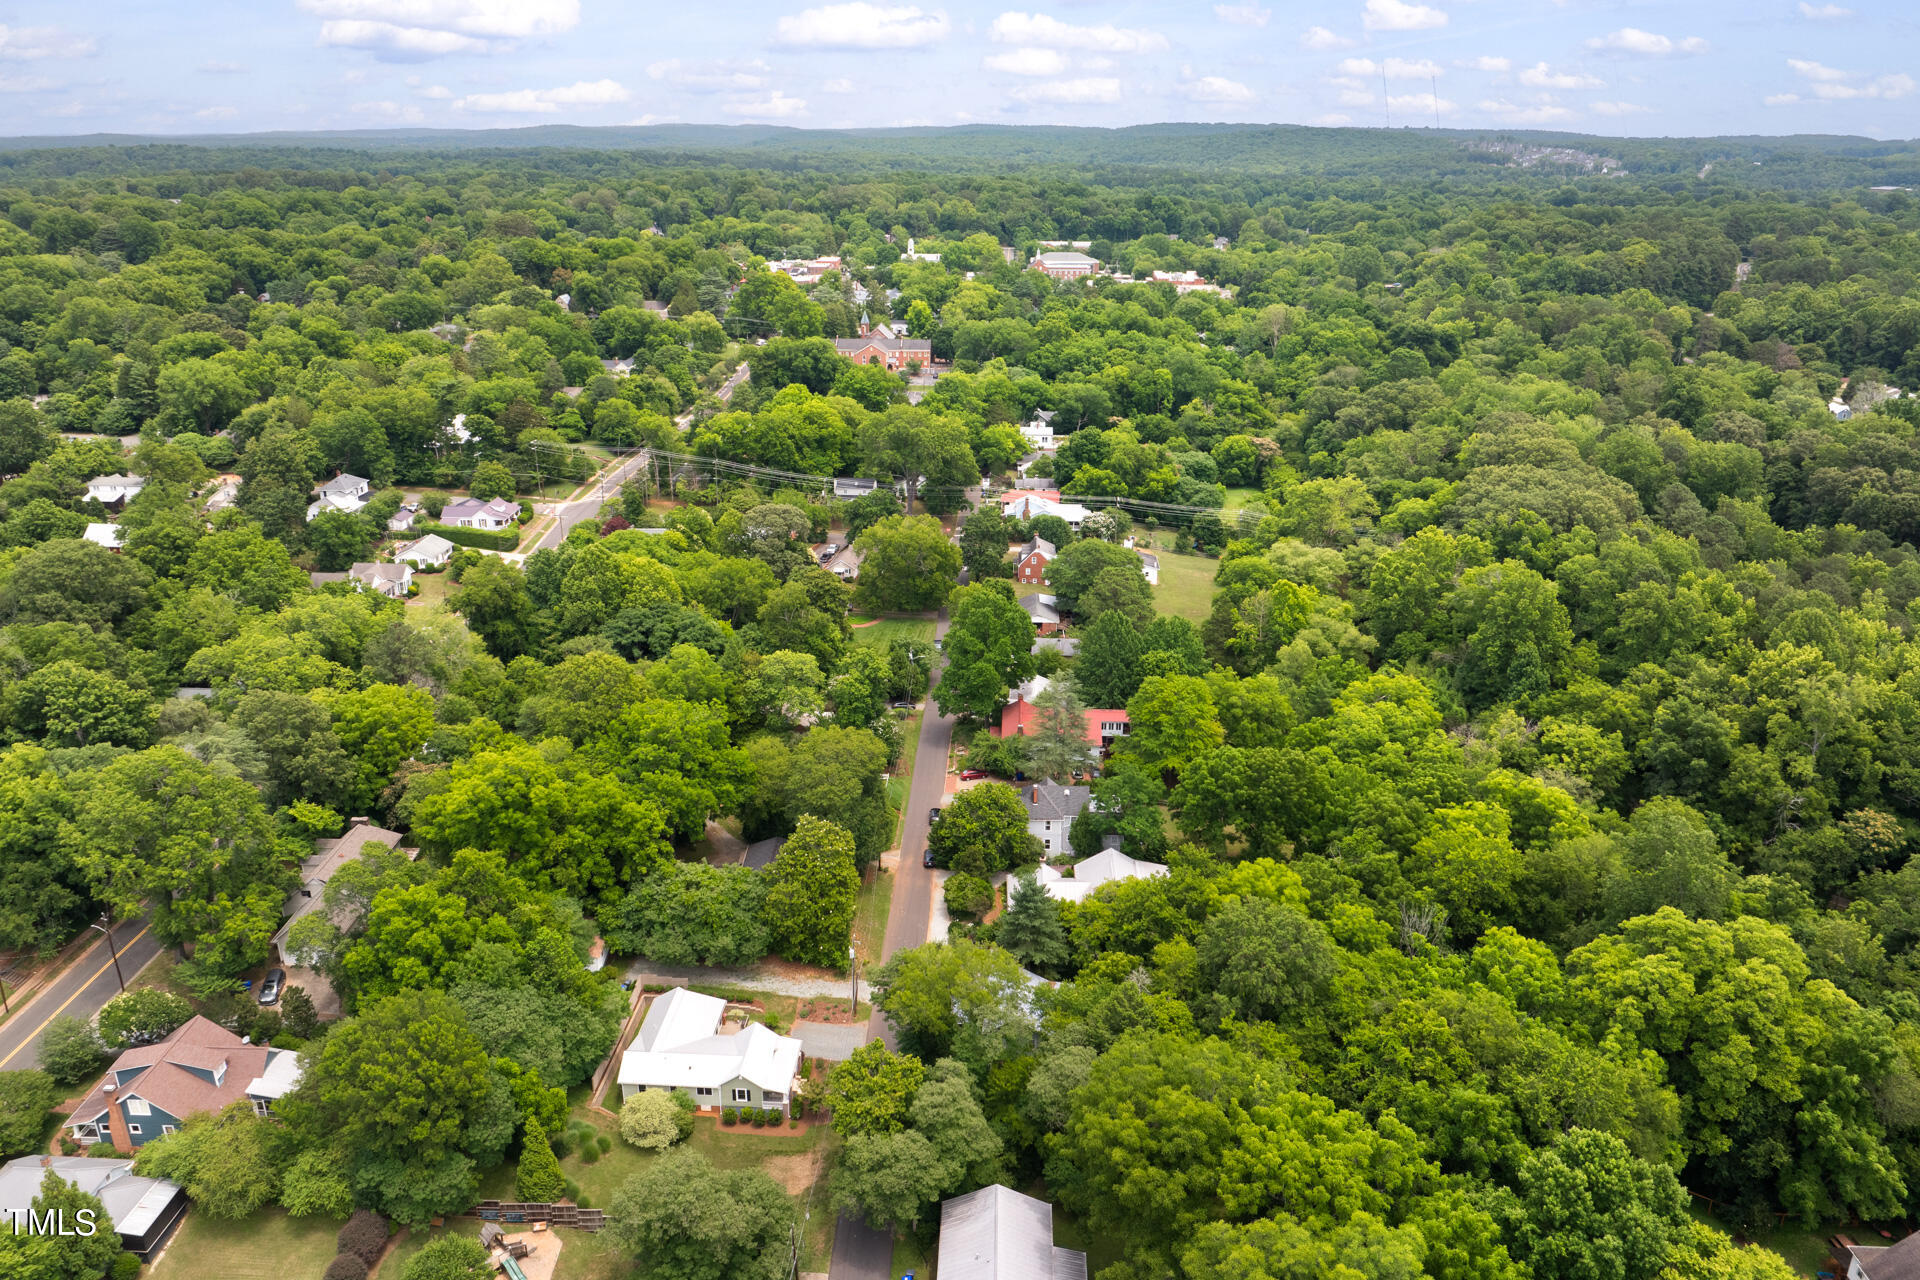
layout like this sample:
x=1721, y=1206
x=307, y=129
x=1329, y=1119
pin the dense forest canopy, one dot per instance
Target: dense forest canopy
x=1537, y=788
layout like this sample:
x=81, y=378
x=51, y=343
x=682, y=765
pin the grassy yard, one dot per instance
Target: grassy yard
x=1186, y=586
x=1805, y=1251
x=267, y=1244
x=910, y=1255
x=434, y=590
x=899, y=786
x=1241, y=499
x=884, y=631
x=870, y=913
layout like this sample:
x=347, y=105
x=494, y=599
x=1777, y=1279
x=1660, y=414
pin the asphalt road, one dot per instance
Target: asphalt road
x=913, y=883
x=587, y=508
x=88, y=983
x=860, y=1252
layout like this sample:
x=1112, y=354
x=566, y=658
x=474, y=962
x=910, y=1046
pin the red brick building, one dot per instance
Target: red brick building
x=1031, y=561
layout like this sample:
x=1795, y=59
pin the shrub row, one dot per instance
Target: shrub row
x=485, y=539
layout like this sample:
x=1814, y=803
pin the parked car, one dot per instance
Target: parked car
x=933, y=816
x=926, y=859
x=270, y=989
x=970, y=775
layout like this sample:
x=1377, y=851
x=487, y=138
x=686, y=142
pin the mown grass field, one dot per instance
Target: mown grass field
x=882, y=632
x=268, y=1243
x=1186, y=585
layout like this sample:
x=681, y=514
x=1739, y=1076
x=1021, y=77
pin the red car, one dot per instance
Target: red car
x=968, y=775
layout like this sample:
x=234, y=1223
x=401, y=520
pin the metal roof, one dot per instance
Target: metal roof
x=996, y=1233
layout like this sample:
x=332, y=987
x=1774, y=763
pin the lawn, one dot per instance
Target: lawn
x=1244, y=498
x=1186, y=586
x=901, y=783
x=434, y=589
x=870, y=913
x=267, y=1244
x=1805, y=1251
x=884, y=631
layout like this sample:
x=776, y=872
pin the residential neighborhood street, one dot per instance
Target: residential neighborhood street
x=88, y=983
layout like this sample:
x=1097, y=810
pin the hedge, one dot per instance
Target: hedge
x=485, y=539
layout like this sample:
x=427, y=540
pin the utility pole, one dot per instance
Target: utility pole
x=853, y=965
x=105, y=926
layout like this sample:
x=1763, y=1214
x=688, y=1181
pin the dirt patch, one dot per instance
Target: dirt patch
x=775, y=967
x=794, y=1173
x=829, y=1011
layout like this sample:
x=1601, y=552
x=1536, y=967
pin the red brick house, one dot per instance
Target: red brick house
x=1018, y=716
x=881, y=347
x=1031, y=561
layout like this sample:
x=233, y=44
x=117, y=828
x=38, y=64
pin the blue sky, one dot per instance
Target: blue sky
x=1686, y=67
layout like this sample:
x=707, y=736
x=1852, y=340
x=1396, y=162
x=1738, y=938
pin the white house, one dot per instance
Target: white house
x=682, y=1045
x=316, y=870
x=471, y=513
x=427, y=552
x=346, y=493
x=1149, y=566
x=1839, y=409
x=390, y=580
x=1089, y=874
x=1039, y=433
x=1884, y=1262
x=104, y=535
x=1025, y=506
x=221, y=498
x=996, y=1233
x=1051, y=809
x=109, y=490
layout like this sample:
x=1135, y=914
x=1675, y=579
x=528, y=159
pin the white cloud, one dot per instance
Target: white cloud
x=864, y=26
x=1834, y=85
x=402, y=30
x=1321, y=38
x=1781, y=99
x=1331, y=120
x=586, y=93
x=1422, y=104
x=1216, y=89
x=1527, y=113
x=1028, y=62
x=1823, y=12
x=1398, y=15
x=1617, y=108
x=1541, y=76
x=1085, y=89
x=1355, y=98
x=715, y=75
x=1485, y=62
x=27, y=43
x=398, y=112
x=1395, y=68
x=29, y=84
x=215, y=113
x=775, y=106
x=1043, y=29
x=1645, y=44
x=1243, y=15
x=839, y=84
x=436, y=91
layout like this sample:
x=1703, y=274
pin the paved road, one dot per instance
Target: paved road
x=608, y=484
x=914, y=883
x=88, y=983
x=860, y=1252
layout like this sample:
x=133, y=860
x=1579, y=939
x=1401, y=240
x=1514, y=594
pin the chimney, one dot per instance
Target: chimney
x=355, y=822
x=1035, y=797
x=46, y=1162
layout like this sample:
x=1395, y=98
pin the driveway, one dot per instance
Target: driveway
x=860, y=1252
x=88, y=983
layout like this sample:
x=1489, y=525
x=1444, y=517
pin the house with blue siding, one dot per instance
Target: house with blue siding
x=151, y=1089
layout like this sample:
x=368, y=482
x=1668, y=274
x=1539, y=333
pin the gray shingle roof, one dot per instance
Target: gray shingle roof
x=1051, y=802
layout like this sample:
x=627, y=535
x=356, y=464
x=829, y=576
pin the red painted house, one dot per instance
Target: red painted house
x=1018, y=716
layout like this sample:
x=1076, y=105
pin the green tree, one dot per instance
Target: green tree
x=1588, y=1207
x=141, y=1016
x=1266, y=959
x=683, y=1219
x=914, y=444
x=337, y=539
x=1032, y=928
x=968, y=895
x=70, y=1052
x=26, y=1098
x=811, y=888
x=228, y=1162
x=693, y=913
x=982, y=830
x=1057, y=746
x=957, y=999
x=75, y=1255
x=67, y=705
x=25, y=437
x=909, y=565
x=1108, y=671
x=1118, y=589
x=537, y=1179
x=1171, y=722
x=984, y=538
x=492, y=480
x=492, y=597
x=890, y=1179
x=989, y=648
x=1078, y=566
x=652, y=1120
x=872, y=1091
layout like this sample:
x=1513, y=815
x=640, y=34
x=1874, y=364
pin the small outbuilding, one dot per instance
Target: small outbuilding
x=996, y=1233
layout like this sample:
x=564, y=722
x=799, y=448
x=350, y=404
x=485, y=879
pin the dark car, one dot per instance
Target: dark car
x=933, y=816
x=270, y=989
x=926, y=859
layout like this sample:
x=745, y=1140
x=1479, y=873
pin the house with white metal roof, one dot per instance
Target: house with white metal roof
x=682, y=1045
x=996, y=1233
x=1089, y=874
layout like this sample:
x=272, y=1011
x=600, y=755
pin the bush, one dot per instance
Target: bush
x=68, y=1147
x=572, y=1191
x=968, y=895
x=141, y=1017
x=729, y=1117
x=489, y=539
x=759, y=1117
x=590, y=1155
x=604, y=1143
x=364, y=1236
x=652, y=1120
x=798, y=1109
x=449, y=1258
x=70, y=1052
x=125, y=1267
x=104, y=1151
x=25, y=1099
x=345, y=1267
x=298, y=1014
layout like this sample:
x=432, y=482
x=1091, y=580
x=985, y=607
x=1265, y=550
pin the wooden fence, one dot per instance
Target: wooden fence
x=559, y=1215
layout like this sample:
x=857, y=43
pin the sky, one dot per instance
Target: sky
x=1678, y=68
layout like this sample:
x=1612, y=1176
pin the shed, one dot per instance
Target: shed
x=996, y=1233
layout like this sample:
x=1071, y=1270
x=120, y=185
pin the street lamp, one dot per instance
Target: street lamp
x=105, y=926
